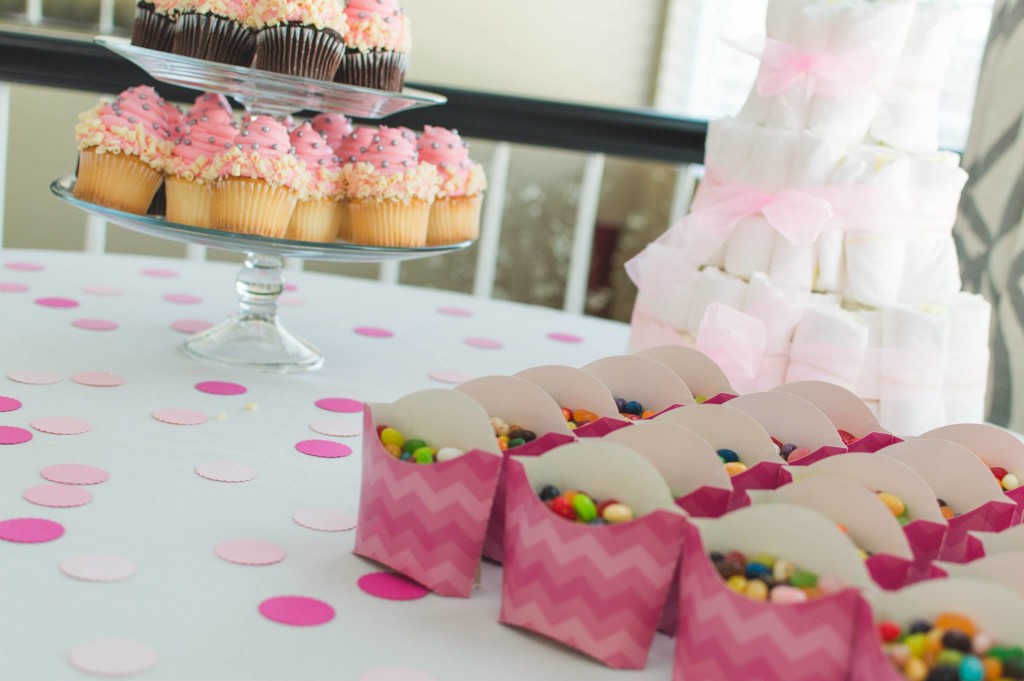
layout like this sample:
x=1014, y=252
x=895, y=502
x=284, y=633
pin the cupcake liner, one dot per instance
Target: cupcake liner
x=116, y=181
x=344, y=222
x=389, y=223
x=299, y=50
x=380, y=70
x=247, y=206
x=454, y=219
x=214, y=38
x=188, y=203
x=158, y=206
x=315, y=221
x=151, y=30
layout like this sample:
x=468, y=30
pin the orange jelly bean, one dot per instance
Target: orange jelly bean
x=394, y=450
x=952, y=620
x=947, y=512
x=993, y=668
x=647, y=414
x=584, y=416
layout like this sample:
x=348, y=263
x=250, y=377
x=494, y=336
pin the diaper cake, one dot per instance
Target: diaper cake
x=819, y=245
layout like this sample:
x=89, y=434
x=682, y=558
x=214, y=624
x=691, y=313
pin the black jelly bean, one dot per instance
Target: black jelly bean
x=1013, y=667
x=620, y=404
x=522, y=434
x=729, y=568
x=549, y=492
x=957, y=640
x=942, y=503
x=944, y=672
x=919, y=627
x=717, y=556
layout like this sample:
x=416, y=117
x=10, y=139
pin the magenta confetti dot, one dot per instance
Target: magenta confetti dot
x=325, y=519
x=447, y=376
x=227, y=472
x=485, y=343
x=565, y=337
x=191, y=325
x=12, y=435
x=61, y=425
x=57, y=302
x=58, y=496
x=34, y=377
x=112, y=657
x=456, y=311
x=24, y=266
x=373, y=332
x=180, y=417
x=159, y=273
x=182, y=298
x=11, y=287
x=336, y=427
x=396, y=674
x=97, y=379
x=95, y=324
x=98, y=567
x=220, y=388
x=299, y=611
x=325, y=449
x=342, y=405
x=250, y=552
x=74, y=474
x=101, y=290
x=391, y=586
x=30, y=530
x=9, y=404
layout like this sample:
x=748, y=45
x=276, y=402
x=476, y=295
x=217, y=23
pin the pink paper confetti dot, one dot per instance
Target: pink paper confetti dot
x=291, y=301
x=30, y=530
x=456, y=311
x=112, y=657
x=180, y=417
x=336, y=427
x=220, y=388
x=227, y=472
x=24, y=266
x=391, y=586
x=446, y=376
x=95, y=324
x=159, y=273
x=325, y=519
x=485, y=343
x=100, y=290
x=191, y=325
x=291, y=287
x=565, y=337
x=34, y=377
x=325, y=449
x=98, y=567
x=97, y=379
x=56, y=302
x=250, y=552
x=58, y=496
x=182, y=298
x=12, y=435
x=396, y=674
x=61, y=425
x=299, y=611
x=11, y=287
x=9, y=404
x=75, y=474
x=342, y=405
x=373, y=332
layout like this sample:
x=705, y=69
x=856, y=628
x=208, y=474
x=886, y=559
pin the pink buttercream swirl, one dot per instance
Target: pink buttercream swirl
x=206, y=102
x=389, y=151
x=378, y=25
x=321, y=14
x=332, y=127
x=262, y=151
x=355, y=144
x=136, y=123
x=458, y=175
x=206, y=138
x=314, y=151
x=388, y=169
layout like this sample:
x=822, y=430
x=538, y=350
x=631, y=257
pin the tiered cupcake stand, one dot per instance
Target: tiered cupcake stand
x=254, y=337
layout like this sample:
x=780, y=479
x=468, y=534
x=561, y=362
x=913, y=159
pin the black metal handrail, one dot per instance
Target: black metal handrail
x=42, y=58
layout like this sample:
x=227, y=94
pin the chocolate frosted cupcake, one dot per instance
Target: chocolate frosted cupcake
x=216, y=30
x=154, y=24
x=378, y=40
x=300, y=37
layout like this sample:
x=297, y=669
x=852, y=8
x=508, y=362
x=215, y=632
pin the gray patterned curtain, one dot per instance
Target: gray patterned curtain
x=990, y=231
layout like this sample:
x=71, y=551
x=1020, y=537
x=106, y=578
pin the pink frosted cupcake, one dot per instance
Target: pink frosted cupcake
x=389, y=192
x=379, y=39
x=300, y=37
x=455, y=215
x=189, y=189
x=154, y=24
x=206, y=102
x=349, y=150
x=257, y=182
x=332, y=127
x=216, y=30
x=122, y=148
x=317, y=217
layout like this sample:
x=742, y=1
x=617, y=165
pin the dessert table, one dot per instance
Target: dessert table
x=176, y=608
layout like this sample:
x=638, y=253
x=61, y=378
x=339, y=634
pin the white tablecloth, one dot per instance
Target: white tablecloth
x=196, y=611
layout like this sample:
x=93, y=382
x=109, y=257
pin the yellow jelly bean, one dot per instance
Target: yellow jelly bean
x=915, y=670
x=737, y=583
x=390, y=436
x=893, y=503
x=735, y=468
x=616, y=514
x=757, y=590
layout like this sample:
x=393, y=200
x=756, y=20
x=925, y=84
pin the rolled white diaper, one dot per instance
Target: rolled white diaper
x=828, y=345
x=970, y=318
x=915, y=342
x=713, y=286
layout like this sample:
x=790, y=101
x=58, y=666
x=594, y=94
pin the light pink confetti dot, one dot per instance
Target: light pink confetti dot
x=58, y=496
x=373, y=332
x=97, y=379
x=484, y=343
x=291, y=287
x=342, y=405
x=191, y=325
x=227, y=472
x=159, y=273
x=182, y=298
x=324, y=449
x=250, y=552
x=180, y=417
x=34, y=377
x=396, y=674
x=24, y=266
x=74, y=474
x=391, y=586
x=446, y=376
x=61, y=425
x=291, y=301
x=12, y=435
x=456, y=311
x=11, y=287
x=30, y=530
x=100, y=290
x=57, y=302
x=565, y=337
x=98, y=567
x=336, y=427
x=299, y=611
x=9, y=404
x=112, y=657
x=220, y=388
x=95, y=324
x=325, y=519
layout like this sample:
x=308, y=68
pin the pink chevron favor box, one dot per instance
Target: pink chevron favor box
x=791, y=419
x=428, y=521
x=575, y=389
x=846, y=411
x=647, y=381
x=965, y=483
x=599, y=589
x=702, y=376
x=521, y=402
x=726, y=636
x=927, y=528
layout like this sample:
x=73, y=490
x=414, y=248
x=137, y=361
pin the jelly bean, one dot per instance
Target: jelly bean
x=947, y=512
x=728, y=456
x=390, y=436
x=890, y=631
x=521, y=434
x=572, y=425
x=503, y=443
x=728, y=568
x=847, y=437
x=1010, y=481
x=737, y=556
x=893, y=503
x=784, y=450
x=899, y=654
x=756, y=570
x=406, y=456
x=787, y=595
x=597, y=521
x=757, y=590
x=915, y=670
x=953, y=620
x=634, y=407
x=605, y=504
x=631, y=417
x=782, y=570
x=549, y=493
x=412, y=445
x=583, y=416
x=585, y=508
x=566, y=414
x=563, y=507
x=648, y=414
x=993, y=669
x=831, y=584
x=737, y=583
x=620, y=404
x=735, y=468
x=971, y=669
x=423, y=455
x=765, y=559
x=804, y=579
x=448, y=454
x=381, y=429
x=917, y=643
x=797, y=454
x=617, y=513
x=515, y=442
x=499, y=426
x=954, y=639
x=982, y=642
x=998, y=471
x=394, y=450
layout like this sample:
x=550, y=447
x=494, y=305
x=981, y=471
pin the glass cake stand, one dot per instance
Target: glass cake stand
x=254, y=337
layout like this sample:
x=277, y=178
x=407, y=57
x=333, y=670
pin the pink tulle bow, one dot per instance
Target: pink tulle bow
x=796, y=215
x=839, y=74
x=733, y=339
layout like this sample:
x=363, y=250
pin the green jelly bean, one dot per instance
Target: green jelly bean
x=412, y=445
x=802, y=579
x=952, y=658
x=586, y=509
x=515, y=442
x=424, y=455
x=766, y=559
x=917, y=644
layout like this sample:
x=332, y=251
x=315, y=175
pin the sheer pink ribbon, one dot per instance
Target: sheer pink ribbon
x=783, y=66
x=734, y=340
